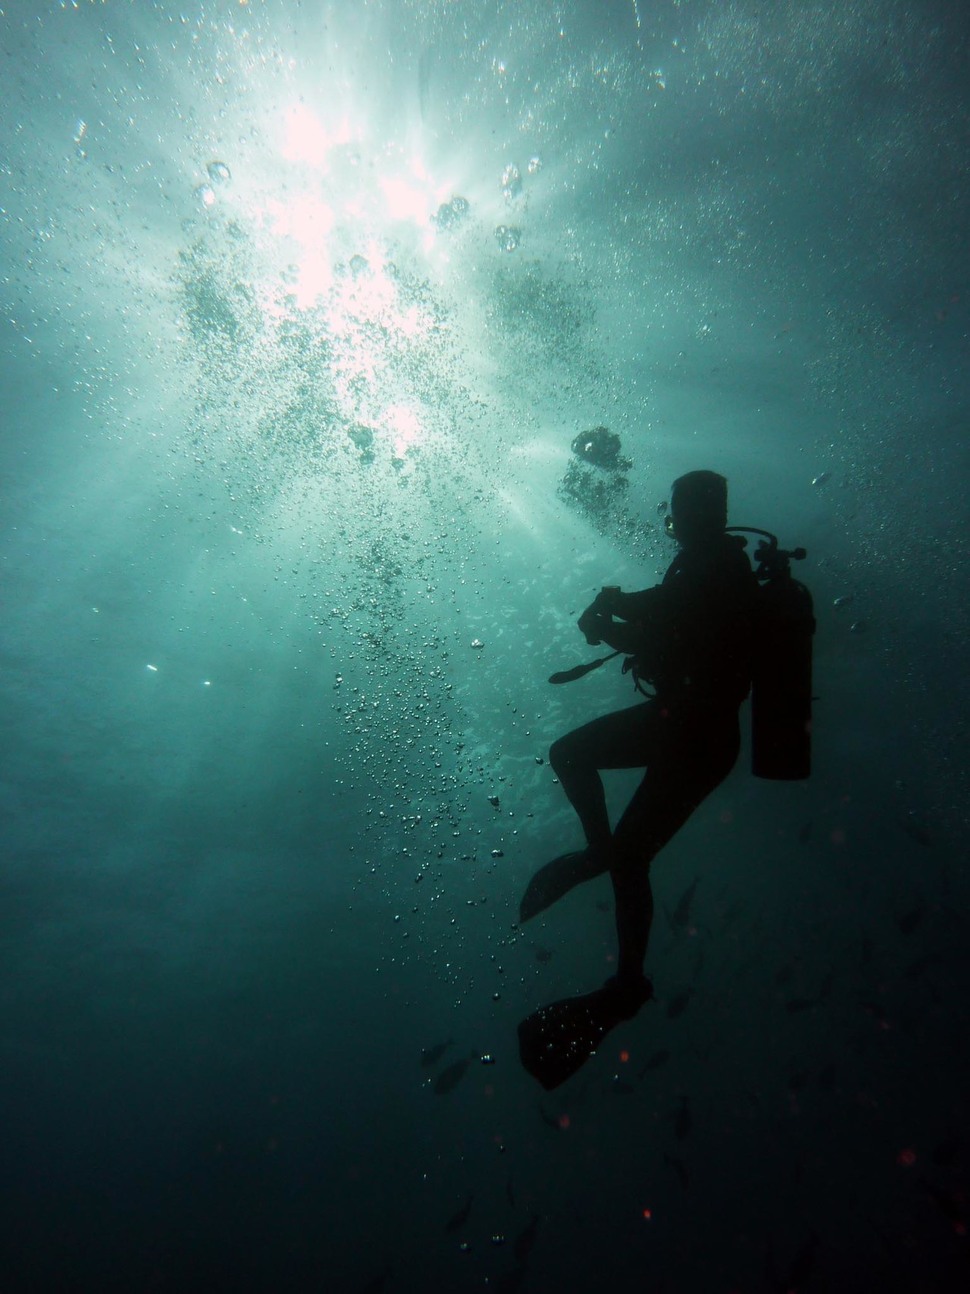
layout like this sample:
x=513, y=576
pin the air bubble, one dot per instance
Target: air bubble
x=511, y=182
x=450, y=213
x=508, y=237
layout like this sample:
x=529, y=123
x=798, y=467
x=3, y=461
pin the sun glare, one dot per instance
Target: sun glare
x=308, y=140
x=330, y=198
x=308, y=222
x=404, y=425
x=405, y=200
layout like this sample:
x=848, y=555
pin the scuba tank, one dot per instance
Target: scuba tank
x=781, y=680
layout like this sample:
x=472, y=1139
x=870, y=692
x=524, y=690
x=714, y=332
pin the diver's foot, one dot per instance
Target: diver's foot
x=557, y=878
x=628, y=992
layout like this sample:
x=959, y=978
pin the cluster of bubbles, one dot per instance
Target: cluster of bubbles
x=312, y=437
x=451, y=213
x=219, y=174
x=596, y=481
x=511, y=182
x=508, y=237
x=347, y=421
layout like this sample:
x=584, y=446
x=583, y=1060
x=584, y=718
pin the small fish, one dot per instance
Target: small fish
x=683, y=1121
x=799, y=1004
x=621, y=1087
x=509, y=1192
x=431, y=1055
x=916, y=828
x=656, y=1060
x=877, y=1013
x=458, y=1220
x=826, y=1078
x=952, y=1205
x=525, y=1240
x=543, y=955
x=915, y=969
x=550, y=1120
x=908, y=922
x=377, y=1284
x=681, y=913
x=805, y=833
x=792, y=1281
x=803, y=1265
x=449, y=1078
x=679, y=1167
x=678, y=1005
x=948, y=1153
x=509, y=1282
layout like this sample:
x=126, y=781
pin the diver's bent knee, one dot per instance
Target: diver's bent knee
x=561, y=754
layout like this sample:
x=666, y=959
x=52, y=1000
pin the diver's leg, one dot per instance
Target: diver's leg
x=633, y=895
x=613, y=741
x=694, y=760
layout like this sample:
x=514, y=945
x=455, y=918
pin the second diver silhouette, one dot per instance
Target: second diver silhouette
x=691, y=638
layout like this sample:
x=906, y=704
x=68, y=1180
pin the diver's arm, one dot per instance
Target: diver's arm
x=620, y=619
x=621, y=637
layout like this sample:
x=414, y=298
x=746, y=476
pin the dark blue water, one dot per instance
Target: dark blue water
x=303, y=308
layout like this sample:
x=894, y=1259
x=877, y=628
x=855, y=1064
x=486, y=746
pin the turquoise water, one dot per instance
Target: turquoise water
x=303, y=308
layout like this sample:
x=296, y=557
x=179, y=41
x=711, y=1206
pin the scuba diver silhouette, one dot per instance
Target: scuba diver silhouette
x=694, y=639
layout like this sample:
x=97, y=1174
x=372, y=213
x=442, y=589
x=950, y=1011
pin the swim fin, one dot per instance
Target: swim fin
x=554, y=880
x=557, y=1040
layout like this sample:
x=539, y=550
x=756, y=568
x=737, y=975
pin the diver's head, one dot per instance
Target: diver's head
x=698, y=508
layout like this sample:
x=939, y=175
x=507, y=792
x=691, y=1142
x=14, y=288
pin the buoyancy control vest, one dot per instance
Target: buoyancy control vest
x=781, y=664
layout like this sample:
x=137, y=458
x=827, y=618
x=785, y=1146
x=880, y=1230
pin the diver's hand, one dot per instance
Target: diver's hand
x=598, y=616
x=590, y=623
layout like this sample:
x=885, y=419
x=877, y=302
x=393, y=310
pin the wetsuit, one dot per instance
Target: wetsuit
x=690, y=638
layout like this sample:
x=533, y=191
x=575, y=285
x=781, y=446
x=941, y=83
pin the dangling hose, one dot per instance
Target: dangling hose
x=571, y=675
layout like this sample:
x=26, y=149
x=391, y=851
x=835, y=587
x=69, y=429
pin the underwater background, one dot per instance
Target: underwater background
x=308, y=312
